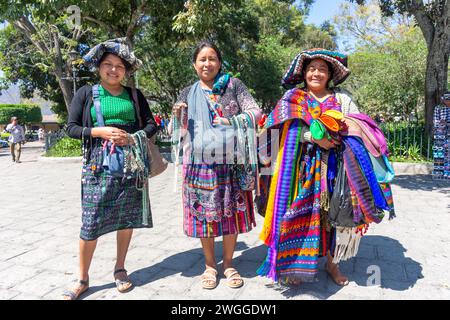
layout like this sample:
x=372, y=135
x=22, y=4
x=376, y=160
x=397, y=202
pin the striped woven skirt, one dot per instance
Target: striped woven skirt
x=213, y=203
x=110, y=203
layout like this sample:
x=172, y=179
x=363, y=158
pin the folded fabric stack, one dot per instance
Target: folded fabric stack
x=362, y=193
x=441, y=146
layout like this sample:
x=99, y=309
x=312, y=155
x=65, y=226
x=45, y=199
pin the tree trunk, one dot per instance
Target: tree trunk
x=436, y=76
x=65, y=86
x=66, y=89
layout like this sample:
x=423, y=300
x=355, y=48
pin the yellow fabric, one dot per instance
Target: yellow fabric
x=335, y=114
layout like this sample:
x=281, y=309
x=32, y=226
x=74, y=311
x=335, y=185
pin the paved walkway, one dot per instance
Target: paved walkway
x=40, y=221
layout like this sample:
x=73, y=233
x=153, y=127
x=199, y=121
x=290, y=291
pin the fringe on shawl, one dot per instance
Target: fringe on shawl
x=347, y=243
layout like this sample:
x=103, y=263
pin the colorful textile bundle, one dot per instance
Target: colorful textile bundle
x=366, y=166
x=441, y=145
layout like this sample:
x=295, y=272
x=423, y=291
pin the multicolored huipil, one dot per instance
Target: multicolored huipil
x=213, y=202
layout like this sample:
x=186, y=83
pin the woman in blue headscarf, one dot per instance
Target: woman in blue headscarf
x=217, y=196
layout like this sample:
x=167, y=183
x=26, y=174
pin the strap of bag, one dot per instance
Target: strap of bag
x=138, y=110
x=98, y=109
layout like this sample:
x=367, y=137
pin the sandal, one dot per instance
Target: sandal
x=76, y=292
x=337, y=276
x=123, y=285
x=234, y=279
x=209, y=278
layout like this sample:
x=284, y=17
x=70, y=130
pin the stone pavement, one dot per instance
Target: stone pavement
x=40, y=221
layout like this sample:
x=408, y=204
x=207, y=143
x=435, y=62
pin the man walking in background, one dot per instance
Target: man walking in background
x=16, y=139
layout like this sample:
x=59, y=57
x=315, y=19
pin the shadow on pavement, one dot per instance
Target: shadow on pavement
x=186, y=263
x=396, y=272
x=421, y=182
x=190, y=264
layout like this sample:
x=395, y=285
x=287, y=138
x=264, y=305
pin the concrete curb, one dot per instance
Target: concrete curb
x=412, y=168
x=60, y=159
x=399, y=167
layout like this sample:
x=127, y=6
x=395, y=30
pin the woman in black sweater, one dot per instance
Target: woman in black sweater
x=109, y=203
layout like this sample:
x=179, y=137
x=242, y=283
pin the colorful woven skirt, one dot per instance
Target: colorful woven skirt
x=213, y=203
x=109, y=203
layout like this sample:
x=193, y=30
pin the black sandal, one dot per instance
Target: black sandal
x=75, y=293
x=122, y=283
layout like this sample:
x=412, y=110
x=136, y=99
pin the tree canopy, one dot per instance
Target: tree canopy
x=257, y=38
x=432, y=18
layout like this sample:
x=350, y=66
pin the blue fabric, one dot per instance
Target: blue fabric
x=220, y=83
x=382, y=168
x=332, y=170
x=363, y=158
x=113, y=156
x=206, y=137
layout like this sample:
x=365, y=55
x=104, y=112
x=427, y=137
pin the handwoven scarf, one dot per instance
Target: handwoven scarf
x=360, y=186
x=206, y=138
x=119, y=46
x=244, y=126
x=299, y=243
x=366, y=168
x=138, y=162
x=279, y=197
x=220, y=83
x=386, y=187
x=372, y=127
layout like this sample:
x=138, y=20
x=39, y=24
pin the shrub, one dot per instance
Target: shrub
x=27, y=113
x=4, y=136
x=66, y=147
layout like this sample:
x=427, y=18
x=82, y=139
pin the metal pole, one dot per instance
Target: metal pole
x=74, y=79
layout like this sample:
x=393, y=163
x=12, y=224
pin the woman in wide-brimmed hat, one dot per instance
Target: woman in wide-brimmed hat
x=111, y=113
x=311, y=123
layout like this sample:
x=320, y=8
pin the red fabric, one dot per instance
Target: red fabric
x=157, y=120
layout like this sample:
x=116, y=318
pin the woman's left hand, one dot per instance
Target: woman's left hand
x=121, y=139
x=222, y=121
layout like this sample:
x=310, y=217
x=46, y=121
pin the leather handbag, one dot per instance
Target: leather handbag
x=157, y=162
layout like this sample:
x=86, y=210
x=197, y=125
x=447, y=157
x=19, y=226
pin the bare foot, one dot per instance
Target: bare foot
x=336, y=275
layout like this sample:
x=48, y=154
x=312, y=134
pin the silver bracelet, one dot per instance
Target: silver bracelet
x=307, y=136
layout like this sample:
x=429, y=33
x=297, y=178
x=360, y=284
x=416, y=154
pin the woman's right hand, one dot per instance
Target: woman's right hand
x=176, y=110
x=108, y=133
